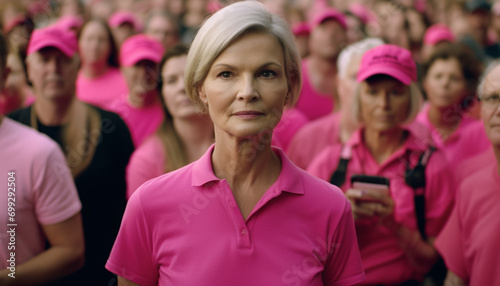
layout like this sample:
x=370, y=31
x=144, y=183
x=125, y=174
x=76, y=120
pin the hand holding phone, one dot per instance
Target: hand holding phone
x=370, y=188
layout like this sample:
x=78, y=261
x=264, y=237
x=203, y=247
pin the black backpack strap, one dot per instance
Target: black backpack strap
x=339, y=176
x=415, y=178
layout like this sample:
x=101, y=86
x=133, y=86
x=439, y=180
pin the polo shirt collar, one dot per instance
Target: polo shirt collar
x=289, y=180
x=418, y=139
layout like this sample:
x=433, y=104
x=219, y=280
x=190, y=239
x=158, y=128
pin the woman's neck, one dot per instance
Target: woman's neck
x=383, y=144
x=245, y=163
x=446, y=120
x=196, y=133
x=93, y=70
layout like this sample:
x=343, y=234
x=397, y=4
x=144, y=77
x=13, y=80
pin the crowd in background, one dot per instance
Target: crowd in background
x=119, y=110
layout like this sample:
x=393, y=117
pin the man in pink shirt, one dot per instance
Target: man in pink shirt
x=469, y=241
x=39, y=204
x=141, y=109
x=328, y=36
x=336, y=127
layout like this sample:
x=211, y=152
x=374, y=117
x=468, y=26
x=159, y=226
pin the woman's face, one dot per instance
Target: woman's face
x=246, y=87
x=384, y=102
x=174, y=94
x=444, y=83
x=94, y=43
x=16, y=80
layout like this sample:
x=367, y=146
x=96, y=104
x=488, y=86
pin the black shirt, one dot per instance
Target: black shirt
x=101, y=187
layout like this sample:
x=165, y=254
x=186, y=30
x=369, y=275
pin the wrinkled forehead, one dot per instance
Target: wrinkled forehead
x=491, y=83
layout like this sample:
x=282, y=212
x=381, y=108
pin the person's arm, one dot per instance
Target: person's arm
x=65, y=255
x=124, y=282
x=453, y=280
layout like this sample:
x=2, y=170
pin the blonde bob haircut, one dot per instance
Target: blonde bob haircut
x=416, y=100
x=226, y=26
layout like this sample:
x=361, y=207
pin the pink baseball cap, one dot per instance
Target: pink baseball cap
x=15, y=21
x=329, y=13
x=140, y=47
x=438, y=33
x=301, y=28
x=390, y=60
x=53, y=36
x=123, y=17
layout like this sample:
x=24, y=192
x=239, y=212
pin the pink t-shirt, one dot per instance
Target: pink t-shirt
x=147, y=162
x=384, y=260
x=313, y=138
x=469, y=241
x=312, y=103
x=291, y=122
x=44, y=191
x=141, y=122
x=185, y=228
x=467, y=140
x=102, y=90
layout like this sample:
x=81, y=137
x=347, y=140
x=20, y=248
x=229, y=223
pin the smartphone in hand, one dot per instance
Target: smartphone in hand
x=371, y=187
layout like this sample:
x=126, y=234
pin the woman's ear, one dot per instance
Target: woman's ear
x=202, y=95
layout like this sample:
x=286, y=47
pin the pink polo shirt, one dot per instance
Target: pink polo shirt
x=43, y=190
x=313, y=138
x=291, y=122
x=147, y=162
x=312, y=103
x=467, y=140
x=469, y=241
x=471, y=165
x=185, y=228
x=142, y=121
x=102, y=90
x=384, y=260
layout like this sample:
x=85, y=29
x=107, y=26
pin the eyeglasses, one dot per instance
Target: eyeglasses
x=490, y=101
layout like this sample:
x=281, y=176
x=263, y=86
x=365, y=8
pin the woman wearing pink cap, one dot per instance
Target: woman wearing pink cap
x=450, y=79
x=99, y=81
x=412, y=194
x=183, y=136
x=242, y=214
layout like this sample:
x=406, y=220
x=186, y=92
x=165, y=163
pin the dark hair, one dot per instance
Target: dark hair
x=469, y=64
x=3, y=52
x=113, y=55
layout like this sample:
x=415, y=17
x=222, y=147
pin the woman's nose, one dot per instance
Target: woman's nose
x=248, y=89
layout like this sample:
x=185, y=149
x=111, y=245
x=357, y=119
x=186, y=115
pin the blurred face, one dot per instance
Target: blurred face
x=122, y=32
x=479, y=22
x=445, y=84
x=164, y=31
x=52, y=73
x=246, y=94
x=348, y=83
x=16, y=79
x=174, y=94
x=327, y=39
x=490, y=108
x=141, y=79
x=354, y=32
x=384, y=102
x=94, y=43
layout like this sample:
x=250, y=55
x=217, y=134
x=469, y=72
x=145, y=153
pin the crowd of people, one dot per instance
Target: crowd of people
x=154, y=142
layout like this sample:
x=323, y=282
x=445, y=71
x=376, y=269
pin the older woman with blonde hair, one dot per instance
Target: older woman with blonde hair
x=242, y=214
x=401, y=193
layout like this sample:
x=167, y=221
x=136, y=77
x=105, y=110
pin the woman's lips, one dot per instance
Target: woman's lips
x=248, y=114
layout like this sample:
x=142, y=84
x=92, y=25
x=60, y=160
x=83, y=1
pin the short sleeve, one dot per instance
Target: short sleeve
x=132, y=255
x=440, y=193
x=343, y=266
x=55, y=195
x=450, y=245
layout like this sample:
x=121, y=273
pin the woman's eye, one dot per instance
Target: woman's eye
x=267, y=74
x=224, y=74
